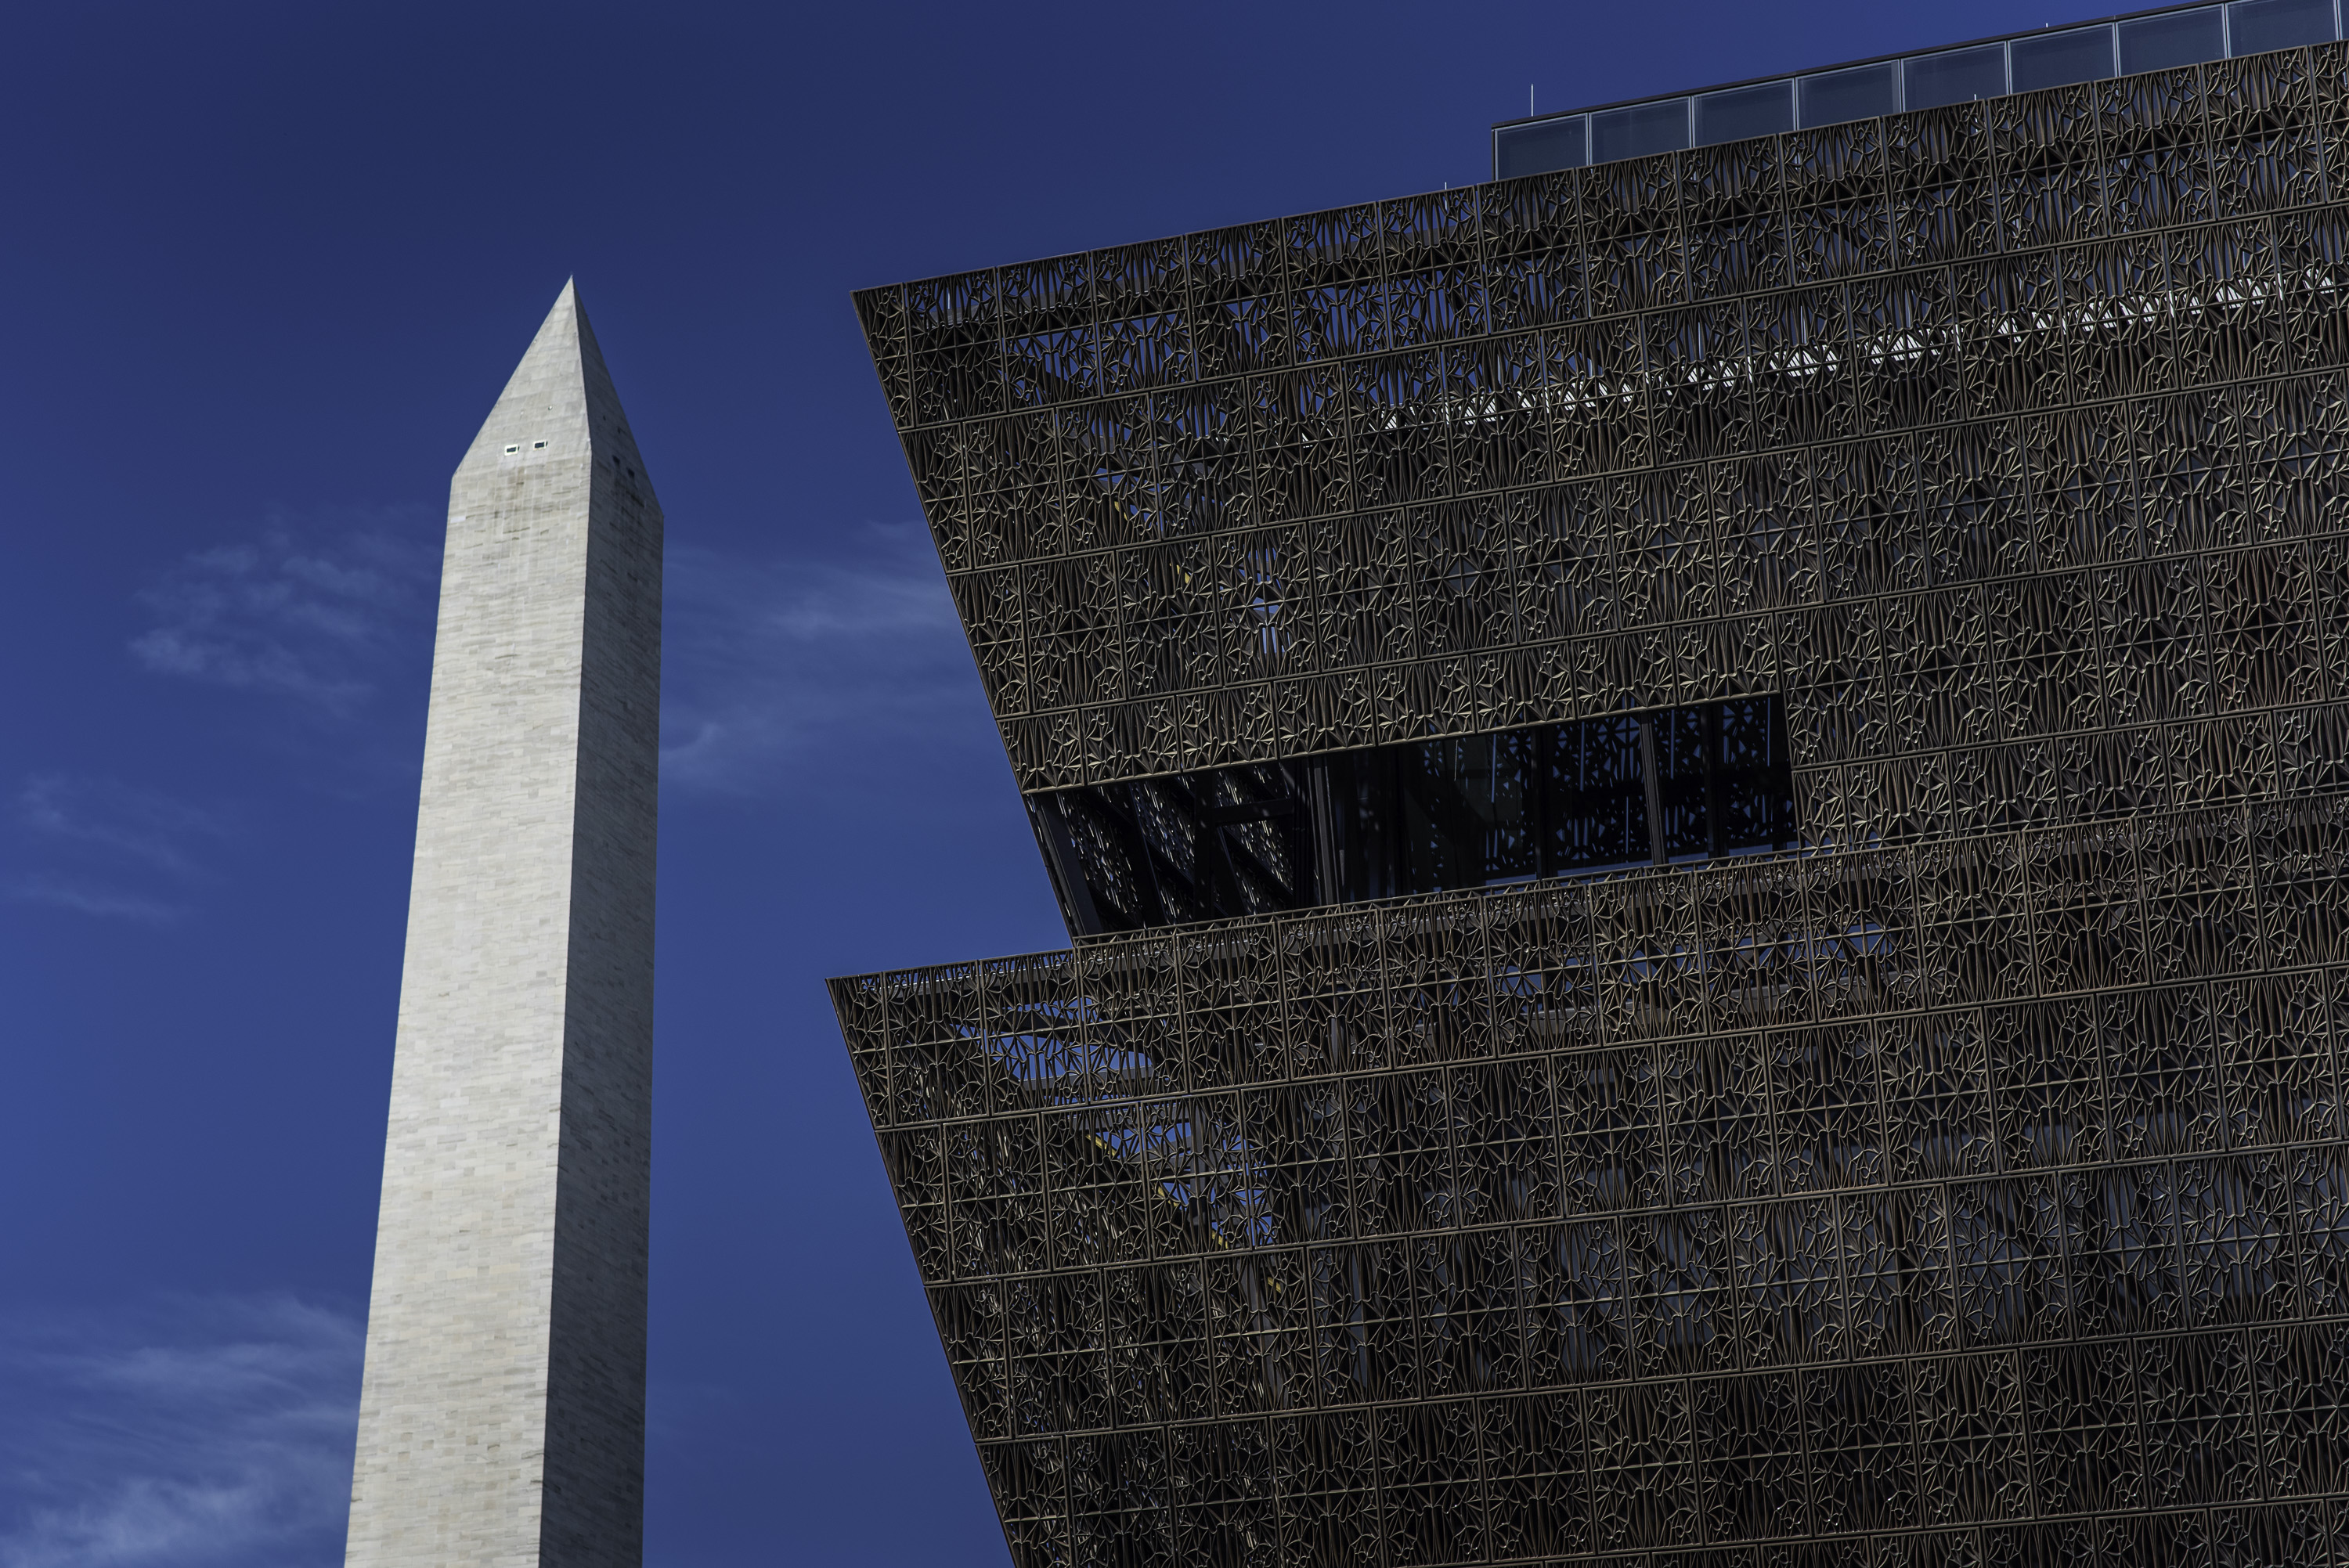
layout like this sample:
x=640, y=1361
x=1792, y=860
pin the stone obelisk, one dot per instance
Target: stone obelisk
x=503, y=1415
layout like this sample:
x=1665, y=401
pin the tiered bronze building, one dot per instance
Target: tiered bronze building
x=1702, y=799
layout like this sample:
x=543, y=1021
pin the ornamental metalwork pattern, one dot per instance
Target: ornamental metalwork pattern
x=1963, y=427
x=1938, y=1156
x=1980, y=1204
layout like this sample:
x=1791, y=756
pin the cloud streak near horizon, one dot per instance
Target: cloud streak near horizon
x=771, y=668
x=764, y=661
x=192, y=1433
x=314, y=615
x=104, y=830
x=142, y=826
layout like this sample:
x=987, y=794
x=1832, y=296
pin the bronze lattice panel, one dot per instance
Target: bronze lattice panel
x=1787, y=412
x=1975, y=1201
x=1967, y=1184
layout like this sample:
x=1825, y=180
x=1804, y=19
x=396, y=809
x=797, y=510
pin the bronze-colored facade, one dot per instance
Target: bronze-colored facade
x=1702, y=802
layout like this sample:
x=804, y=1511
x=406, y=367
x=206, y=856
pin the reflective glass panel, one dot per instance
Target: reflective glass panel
x=1538, y=148
x=2257, y=26
x=2159, y=43
x=1861, y=93
x=1959, y=76
x=2059, y=60
x=1639, y=130
x=1740, y=112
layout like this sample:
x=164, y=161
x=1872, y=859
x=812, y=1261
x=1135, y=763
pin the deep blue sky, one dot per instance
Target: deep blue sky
x=265, y=270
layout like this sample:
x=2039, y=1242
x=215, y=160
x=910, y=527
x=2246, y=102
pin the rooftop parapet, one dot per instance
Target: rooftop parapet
x=1894, y=84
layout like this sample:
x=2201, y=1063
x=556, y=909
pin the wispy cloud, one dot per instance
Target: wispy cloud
x=774, y=665
x=199, y=1433
x=103, y=831
x=770, y=665
x=130, y=824
x=315, y=614
x=91, y=898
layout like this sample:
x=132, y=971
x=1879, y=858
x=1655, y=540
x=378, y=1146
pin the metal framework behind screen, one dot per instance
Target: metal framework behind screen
x=1956, y=1174
x=1419, y=817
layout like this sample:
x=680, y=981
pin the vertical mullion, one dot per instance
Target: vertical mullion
x=1398, y=821
x=1544, y=764
x=1780, y=764
x=1712, y=734
x=1146, y=854
x=1321, y=814
x=1655, y=788
x=1066, y=866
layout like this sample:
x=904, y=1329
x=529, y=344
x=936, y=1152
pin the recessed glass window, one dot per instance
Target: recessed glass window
x=1740, y=112
x=1959, y=75
x=2258, y=25
x=1537, y=149
x=1619, y=790
x=1861, y=93
x=2163, y=42
x=2059, y=60
x=1639, y=130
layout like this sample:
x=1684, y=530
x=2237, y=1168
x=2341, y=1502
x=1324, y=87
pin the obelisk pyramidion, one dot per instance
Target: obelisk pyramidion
x=502, y=1420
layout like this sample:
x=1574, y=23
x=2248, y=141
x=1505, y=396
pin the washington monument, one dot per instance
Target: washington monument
x=503, y=1417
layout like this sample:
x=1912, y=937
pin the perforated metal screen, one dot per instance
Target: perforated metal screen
x=1963, y=1183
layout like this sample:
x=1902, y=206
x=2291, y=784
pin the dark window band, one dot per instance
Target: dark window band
x=1624, y=789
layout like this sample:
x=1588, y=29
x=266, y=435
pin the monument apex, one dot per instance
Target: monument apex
x=501, y=1419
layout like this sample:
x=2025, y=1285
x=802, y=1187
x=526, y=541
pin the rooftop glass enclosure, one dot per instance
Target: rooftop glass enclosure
x=2150, y=41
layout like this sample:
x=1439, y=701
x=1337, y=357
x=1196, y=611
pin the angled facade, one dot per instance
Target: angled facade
x=502, y=1414
x=1701, y=802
